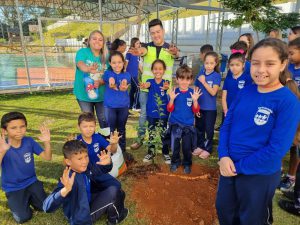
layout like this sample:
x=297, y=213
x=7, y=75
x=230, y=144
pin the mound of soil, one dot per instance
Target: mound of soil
x=166, y=198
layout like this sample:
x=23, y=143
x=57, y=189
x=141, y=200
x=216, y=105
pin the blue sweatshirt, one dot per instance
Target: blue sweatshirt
x=76, y=204
x=259, y=129
x=295, y=73
x=116, y=98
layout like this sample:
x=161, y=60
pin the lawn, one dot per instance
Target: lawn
x=61, y=110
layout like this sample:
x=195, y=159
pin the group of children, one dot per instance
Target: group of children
x=260, y=120
x=85, y=191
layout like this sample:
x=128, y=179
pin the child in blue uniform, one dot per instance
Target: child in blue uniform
x=209, y=83
x=183, y=105
x=132, y=67
x=19, y=181
x=294, y=58
x=235, y=82
x=96, y=143
x=157, y=114
x=78, y=193
x=257, y=132
x=116, y=98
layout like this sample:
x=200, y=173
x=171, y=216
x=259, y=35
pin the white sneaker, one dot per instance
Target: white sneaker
x=167, y=159
x=148, y=158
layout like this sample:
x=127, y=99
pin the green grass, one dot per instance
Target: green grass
x=62, y=110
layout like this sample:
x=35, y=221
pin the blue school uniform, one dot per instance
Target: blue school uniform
x=133, y=65
x=152, y=108
x=206, y=100
x=83, y=205
x=295, y=73
x=233, y=86
x=115, y=98
x=246, y=69
x=258, y=130
x=256, y=134
x=183, y=113
x=98, y=144
x=18, y=171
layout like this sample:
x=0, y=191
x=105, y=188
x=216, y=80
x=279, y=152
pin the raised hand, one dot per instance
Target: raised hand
x=45, y=133
x=166, y=85
x=67, y=181
x=201, y=78
x=144, y=85
x=4, y=146
x=123, y=86
x=173, y=95
x=114, y=137
x=112, y=83
x=104, y=158
x=173, y=50
x=135, y=51
x=197, y=93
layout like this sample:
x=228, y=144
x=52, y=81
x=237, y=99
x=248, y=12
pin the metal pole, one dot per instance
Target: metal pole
x=100, y=14
x=23, y=45
x=2, y=29
x=222, y=29
x=208, y=23
x=47, y=80
x=157, y=9
x=218, y=30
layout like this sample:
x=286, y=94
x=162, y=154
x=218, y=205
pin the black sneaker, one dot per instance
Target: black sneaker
x=148, y=158
x=289, y=207
x=286, y=184
x=187, y=169
x=289, y=194
x=122, y=217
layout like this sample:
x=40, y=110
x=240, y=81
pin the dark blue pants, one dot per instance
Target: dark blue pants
x=246, y=199
x=116, y=119
x=134, y=94
x=184, y=142
x=205, y=125
x=20, y=201
x=92, y=107
x=109, y=201
x=152, y=123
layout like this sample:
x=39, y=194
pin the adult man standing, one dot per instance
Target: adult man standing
x=157, y=49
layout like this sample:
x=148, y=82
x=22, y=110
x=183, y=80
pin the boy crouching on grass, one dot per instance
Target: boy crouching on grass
x=77, y=191
x=19, y=181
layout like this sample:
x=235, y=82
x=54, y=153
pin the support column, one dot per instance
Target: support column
x=47, y=80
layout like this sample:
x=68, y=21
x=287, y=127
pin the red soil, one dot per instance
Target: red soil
x=164, y=198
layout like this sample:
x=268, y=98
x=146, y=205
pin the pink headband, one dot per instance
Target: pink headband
x=237, y=51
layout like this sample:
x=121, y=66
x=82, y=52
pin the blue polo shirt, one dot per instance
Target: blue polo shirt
x=183, y=113
x=157, y=94
x=115, y=98
x=295, y=73
x=97, y=145
x=206, y=100
x=233, y=86
x=133, y=65
x=18, y=171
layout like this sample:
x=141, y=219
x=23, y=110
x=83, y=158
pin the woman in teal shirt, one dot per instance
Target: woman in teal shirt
x=91, y=62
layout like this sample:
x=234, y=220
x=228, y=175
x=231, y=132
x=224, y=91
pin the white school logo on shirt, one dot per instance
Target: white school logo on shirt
x=262, y=115
x=27, y=157
x=297, y=79
x=241, y=84
x=162, y=92
x=96, y=147
x=189, y=102
x=210, y=83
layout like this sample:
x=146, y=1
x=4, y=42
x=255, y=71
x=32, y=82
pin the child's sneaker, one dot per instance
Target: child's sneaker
x=148, y=158
x=173, y=168
x=122, y=217
x=286, y=184
x=187, y=169
x=289, y=194
x=289, y=207
x=167, y=159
